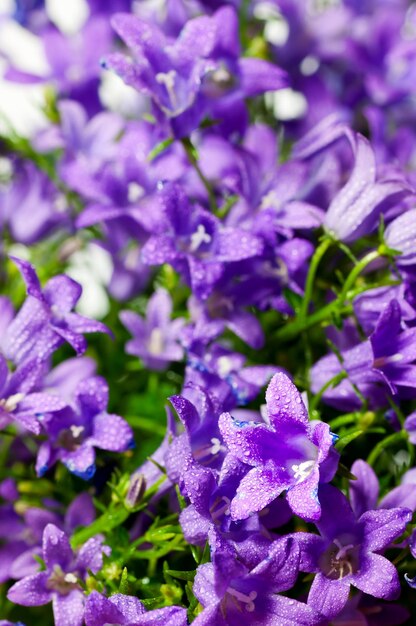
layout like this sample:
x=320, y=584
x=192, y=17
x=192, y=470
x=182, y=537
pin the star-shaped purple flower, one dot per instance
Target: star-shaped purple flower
x=59, y=583
x=75, y=432
x=156, y=339
x=286, y=453
x=347, y=552
x=233, y=594
x=46, y=319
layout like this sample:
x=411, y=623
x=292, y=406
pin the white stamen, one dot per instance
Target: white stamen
x=76, y=430
x=134, y=192
x=303, y=470
x=9, y=404
x=224, y=365
x=242, y=597
x=198, y=237
x=70, y=578
x=155, y=344
x=342, y=552
x=216, y=445
x=222, y=510
x=60, y=203
x=270, y=200
x=168, y=80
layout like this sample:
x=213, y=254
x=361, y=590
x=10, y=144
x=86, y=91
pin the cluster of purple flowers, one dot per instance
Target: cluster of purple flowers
x=250, y=253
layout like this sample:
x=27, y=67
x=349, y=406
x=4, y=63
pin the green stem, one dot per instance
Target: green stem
x=343, y=420
x=291, y=330
x=382, y=445
x=355, y=272
x=190, y=153
x=316, y=259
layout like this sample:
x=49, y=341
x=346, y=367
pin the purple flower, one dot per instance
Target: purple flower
x=60, y=582
x=400, y=235
x=196, y=243
x=347, y=552
x=20, y=400
x=31, y=206
x=364, y=491
x=23, y=534
x=156, y=339
x=355, y=209
x=224, y=374
x=382, y=364
x=75, y=432
x=285, y=452
x=210, y=494
x=368, y=306
x=46, y=320
x=233, y=594
x=74, y=61
x=199, y=74
x=129, y=611
x=363, y=610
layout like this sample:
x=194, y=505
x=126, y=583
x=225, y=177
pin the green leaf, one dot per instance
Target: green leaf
x=124, y=583
x=161, y=147
x=346, y=439
x=181, y=575
x=293, y=299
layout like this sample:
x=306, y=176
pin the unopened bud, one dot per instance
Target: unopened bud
x=136, y=490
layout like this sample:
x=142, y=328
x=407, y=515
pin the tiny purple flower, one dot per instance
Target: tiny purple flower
x=156, y=339
x=59, y=583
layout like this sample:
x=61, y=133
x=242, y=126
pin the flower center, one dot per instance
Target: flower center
x=199, y=237
x=71, y=438
x=302, y=471
x=134, y=192
x=62, y=582
x=209, y=450
x=9, y=404
x=218, y=81
x=242, y=600
x=168, y=80
x=220, y=507
x=155, y=344
x=339, y=560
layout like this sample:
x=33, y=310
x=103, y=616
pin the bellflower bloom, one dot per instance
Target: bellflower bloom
x=156, y=339
x=60, y=582
x=400, y=235
x=31, y=206
x=73, y=62
x=197, y=75
x=224, y=374
x=285, y=452
x=75, y=432
x=23, y=534
x=382, y=364
x=129, y=611
x=355, y=209
x=198, y=411
x=196, y=243
x=347, y=552
x=364, y=491
x=46, y=320
x=232, y=594
x=20, y=398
